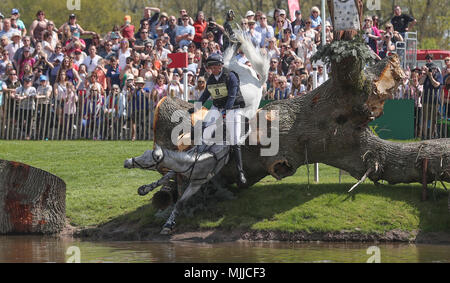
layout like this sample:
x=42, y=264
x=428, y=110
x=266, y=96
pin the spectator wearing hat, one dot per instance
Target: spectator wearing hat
x=298, y=24
x=402, y=22
x=139, y=99
x=16, y=16
x=25, y=96
x=43, y=99
x=287, y=22
x=74, y=27
x=127, y=29
x=163, y=24
x=250, y=15
x=184, y=33
x=14, y=45
x=8, y=30
x=113, y=72
x=113, y=35
x=190, y=82
x=315, y=18
x=253, y=34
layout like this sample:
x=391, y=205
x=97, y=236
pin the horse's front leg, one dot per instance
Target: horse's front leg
x=145, y=189
x=170, y=223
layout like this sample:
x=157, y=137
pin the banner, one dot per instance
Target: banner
x=293, y=6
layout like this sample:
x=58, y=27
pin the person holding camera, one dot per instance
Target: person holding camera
x=228, y=29
x=386, y=45
x=431, y=80
x=216, y=29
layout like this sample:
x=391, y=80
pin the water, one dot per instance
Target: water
x=50, y=249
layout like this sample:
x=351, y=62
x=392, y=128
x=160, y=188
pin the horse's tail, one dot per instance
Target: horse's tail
x=259, y=60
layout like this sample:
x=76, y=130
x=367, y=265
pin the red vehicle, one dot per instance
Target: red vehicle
x=438, y=57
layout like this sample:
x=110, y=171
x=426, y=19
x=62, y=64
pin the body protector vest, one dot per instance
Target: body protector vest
x=220, y=90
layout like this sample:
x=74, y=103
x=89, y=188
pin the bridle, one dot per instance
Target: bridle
x=138, y=165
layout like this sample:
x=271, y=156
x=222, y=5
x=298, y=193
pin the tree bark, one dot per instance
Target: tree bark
x=330, y=125
x=31, y=200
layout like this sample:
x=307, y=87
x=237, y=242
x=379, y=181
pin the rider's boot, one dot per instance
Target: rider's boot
x=239, y=166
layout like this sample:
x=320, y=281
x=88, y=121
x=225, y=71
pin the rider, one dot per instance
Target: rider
x=223, y=87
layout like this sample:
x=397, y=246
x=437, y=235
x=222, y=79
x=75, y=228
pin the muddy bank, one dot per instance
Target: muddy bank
x=129, y=233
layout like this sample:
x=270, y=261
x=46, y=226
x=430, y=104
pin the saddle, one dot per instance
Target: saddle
x=185, y=141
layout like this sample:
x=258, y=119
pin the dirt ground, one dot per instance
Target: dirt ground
x=130, y=233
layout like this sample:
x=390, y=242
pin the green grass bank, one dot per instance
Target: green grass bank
x=100, y=191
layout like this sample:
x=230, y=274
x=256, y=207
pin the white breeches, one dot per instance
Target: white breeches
x=235, y=130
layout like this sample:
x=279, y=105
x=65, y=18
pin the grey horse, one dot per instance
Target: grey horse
x=199, y=165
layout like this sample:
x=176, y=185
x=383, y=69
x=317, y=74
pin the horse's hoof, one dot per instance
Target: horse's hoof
x=166, y=231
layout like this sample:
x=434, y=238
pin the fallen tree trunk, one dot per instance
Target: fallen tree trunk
x=31, y=200
x=330, y=125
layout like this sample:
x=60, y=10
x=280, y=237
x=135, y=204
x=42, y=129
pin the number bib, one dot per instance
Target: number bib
x=218, y=91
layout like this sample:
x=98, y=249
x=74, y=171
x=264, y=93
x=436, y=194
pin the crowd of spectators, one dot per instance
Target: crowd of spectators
x=64, y=65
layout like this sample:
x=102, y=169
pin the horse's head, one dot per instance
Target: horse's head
x=148, y=161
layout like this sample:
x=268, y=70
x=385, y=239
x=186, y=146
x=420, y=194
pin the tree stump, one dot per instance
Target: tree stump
x=32, y=201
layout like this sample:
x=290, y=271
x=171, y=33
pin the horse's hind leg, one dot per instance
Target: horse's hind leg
x=170, y=223
x=145, y=189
